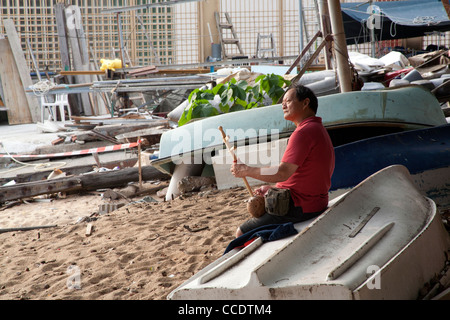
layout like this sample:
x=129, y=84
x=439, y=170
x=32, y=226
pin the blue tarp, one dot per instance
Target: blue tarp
x=394, y=19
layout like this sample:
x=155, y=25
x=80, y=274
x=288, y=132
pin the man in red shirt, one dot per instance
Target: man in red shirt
x=306, y=166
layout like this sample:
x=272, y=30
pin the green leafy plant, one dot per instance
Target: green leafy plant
x=234, y=96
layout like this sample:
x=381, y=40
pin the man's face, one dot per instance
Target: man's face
x=288, y=104
x=292, y=108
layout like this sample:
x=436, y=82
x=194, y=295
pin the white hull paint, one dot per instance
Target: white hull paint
x=381, y=240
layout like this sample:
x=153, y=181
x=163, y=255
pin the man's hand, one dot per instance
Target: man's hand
x=261, y=191
x=239, y=170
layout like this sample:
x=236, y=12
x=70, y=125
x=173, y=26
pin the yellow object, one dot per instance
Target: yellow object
x=111, y=64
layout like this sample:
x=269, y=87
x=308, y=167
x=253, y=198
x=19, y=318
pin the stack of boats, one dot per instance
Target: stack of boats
x=390, y=184
x=381, y=240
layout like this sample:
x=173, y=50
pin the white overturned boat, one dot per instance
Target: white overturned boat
x=381, y=240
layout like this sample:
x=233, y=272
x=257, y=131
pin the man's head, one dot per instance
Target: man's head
x=299, y=103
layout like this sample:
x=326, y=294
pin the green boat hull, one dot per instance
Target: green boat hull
x=389, y=110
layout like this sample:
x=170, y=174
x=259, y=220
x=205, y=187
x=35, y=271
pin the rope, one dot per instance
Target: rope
x=355, y=76
x=41, y=88
x=37, y=167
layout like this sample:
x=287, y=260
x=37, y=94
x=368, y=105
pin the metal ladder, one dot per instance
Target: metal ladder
x=311, y=6
x=224, y=31
x=312, y=26
x=260, y=51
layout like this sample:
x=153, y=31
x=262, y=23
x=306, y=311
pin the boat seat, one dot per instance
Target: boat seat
x=61, y=104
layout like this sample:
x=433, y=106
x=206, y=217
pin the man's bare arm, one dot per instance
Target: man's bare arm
x=268, y=174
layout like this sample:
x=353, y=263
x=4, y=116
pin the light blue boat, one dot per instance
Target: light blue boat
x=347, y=116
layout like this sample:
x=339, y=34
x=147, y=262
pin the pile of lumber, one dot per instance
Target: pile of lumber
x=149, y=84
x=149, y=132
x=83, y=182
x=75, y=56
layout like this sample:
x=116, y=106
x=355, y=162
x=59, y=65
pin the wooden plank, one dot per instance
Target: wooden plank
x=89, y=229
x=73, y=22
x=62, y=39
x=13, y=92
x=143, y=69
x=304, y=51
x=60, y=17
x=82, y=72
x=25, y=190
x=22, y=67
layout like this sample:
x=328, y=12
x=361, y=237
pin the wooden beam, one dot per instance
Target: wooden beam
x=206, y=17
x=82, y=72
x=308, y=63
x=304, y=51
x=62, y=38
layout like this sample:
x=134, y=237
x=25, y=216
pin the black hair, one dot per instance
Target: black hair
x=302, y=92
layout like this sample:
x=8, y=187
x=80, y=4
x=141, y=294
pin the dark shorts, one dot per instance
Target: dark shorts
x=294, y=215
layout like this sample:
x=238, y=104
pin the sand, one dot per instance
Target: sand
x=143, y=250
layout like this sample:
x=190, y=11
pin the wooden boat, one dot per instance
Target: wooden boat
x=425, y=152
x=381, y=240
x=348, y=117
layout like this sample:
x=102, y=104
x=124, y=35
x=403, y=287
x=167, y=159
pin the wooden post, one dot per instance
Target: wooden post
x=326, y=29
x=340, y=46
x=139, y=162
x=281, y=24
x=206, y=16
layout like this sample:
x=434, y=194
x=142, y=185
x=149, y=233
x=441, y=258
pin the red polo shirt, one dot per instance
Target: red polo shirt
x=310, y=148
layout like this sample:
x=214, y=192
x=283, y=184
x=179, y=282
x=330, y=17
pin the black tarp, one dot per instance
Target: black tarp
x=393, y=20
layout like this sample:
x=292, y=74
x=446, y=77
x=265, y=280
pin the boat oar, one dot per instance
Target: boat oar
x=255, y=205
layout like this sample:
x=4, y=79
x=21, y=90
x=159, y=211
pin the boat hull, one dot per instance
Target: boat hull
x=425, y=152
x=388, y=110
x=386, y=246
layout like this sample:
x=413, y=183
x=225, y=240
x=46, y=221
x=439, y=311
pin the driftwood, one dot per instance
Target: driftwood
x=86, y=182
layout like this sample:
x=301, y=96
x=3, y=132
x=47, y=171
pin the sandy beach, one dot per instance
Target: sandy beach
x=142, y=250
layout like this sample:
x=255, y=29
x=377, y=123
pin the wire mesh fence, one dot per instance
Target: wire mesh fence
x=170, y=34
